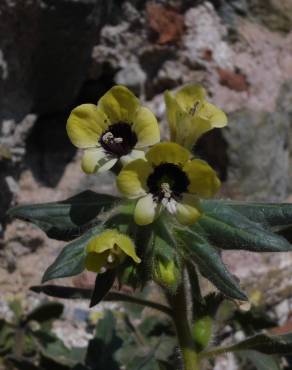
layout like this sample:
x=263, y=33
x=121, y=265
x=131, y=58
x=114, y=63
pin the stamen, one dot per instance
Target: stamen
x=108, y=137
x=171, y=206
x=110, y=258
x=103, y=270
x=165, y=189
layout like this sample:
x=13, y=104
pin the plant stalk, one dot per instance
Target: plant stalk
x=178, y=303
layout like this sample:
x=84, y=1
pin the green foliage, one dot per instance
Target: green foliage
x=103, y=283
x=260, y=361
x=20, y=341
x=228, y=229
x=223, y=225
x=63, y=291
x=71, y=260
x=47, y=311
x=65, y=220
x=276, y=344
x=210, y=263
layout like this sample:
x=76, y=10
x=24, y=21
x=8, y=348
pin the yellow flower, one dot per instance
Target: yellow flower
x=168, y=179
x=108, y=250
x=117, y=128
x=189, y=115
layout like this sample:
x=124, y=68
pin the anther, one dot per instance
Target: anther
x=110, y=258
x=108, y=137
x=118, y=140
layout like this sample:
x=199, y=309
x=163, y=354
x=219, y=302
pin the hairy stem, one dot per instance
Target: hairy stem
x=117, y=296
x=178, y=303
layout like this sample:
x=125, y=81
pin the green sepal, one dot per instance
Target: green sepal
x=103, y=284
x=67, y=219
x=71, y=260
x=166, y=265
x=202, y=331
x=209, y=262
x=226, y=228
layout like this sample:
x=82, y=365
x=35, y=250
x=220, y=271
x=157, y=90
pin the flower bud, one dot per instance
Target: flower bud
x=202, y=331
x=108, y=250
x=167, y=274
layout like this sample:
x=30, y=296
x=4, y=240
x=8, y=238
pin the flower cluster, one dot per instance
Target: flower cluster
x=166, y=178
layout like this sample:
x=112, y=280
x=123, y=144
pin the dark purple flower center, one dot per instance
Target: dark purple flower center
x=118, y=139
x=167, y=181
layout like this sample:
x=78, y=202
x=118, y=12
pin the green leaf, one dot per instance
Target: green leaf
x=45, y=312
x=268, y=214
x=162, y=228
x=22, y=363
x=274, y=344
x=228, y=229
x=146, y=362
x=53, y=348
x=65, y=220
x=7, y=335
x=210, y=263
x=103, y=283
x=16, y=307
x=102, y=347
x=71, y=260
x=260, y=360
x=65, y=292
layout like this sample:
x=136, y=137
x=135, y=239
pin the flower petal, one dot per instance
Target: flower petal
x=95, y=160
x=189, y=96
x=102, y=242
x=188, y=210
x=146, y=127
x=145, y=210
x=167, y=152
x=132, y=180
x=174, y=114
x=85, y=125
x=127, y=246
x=203, y=179
x=95, y=261
x=135, y=154
x=119, y=104
x=189, y=129
x=215, y=115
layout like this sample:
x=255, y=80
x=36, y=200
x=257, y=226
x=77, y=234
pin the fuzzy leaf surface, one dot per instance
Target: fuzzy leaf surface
x=71, y=260
x=269, y=214
x=210, y=264
x=226, y=228
x=67, y=219
x=268, y=344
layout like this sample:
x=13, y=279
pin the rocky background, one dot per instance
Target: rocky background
x=56, y=54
